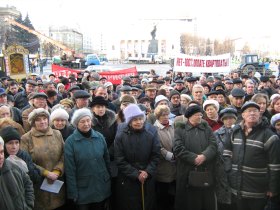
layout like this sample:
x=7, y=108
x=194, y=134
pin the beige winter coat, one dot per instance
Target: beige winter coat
x=47, y=152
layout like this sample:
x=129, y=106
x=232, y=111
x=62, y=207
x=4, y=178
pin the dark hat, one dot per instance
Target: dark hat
x=153, y=81
x=4, y=78
x=133, y=88
x=228, y=112
x=81, y=94
x=51, y=93
x=138, y=86
x=173, y=92
x=160, y=82
x=245, y=76
x=272, y=76
x=218, y=85
x=93, y=87
x=98, y=100
x=31, y=82
x=206, y=85
x=191, y=110
x=264, y=78
x=125, y=88
x=249, y=104
x=127, y=79
x=2, y=91
x=237, y=81
x=237, y=92
x=39, y=95
x=179, y=81
x=212, y=92
x=228, y=81
x=10, y=98
x=143, y=100
x=103, y=78
x=191, y=79
x=74, y=87
x=221, y=92
x=167, y=78
x=9, y=133
x=218, y=77
x=52, y=74
x=210, y=79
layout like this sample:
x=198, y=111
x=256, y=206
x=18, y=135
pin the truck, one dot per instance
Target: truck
x=251, y=63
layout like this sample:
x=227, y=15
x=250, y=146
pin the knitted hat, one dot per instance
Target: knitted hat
x=9, y=133
x=173, y=92
x=79, y=114
x=191, y=110
x=35, y=113
x=59, y=114
x=98, y=100
x=273, y=120
x=160, y=98
x=67, y=102
x=132, y=111
x=212, y=102
x=128, y=99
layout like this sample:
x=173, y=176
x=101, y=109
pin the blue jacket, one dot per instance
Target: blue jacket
x=87, y=168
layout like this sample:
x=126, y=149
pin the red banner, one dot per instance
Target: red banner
x=113, y=76
x=116, y=76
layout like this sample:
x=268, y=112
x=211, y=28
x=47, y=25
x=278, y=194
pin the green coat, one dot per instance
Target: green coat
x=87, y=168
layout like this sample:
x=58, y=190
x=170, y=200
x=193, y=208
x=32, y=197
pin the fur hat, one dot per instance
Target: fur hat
x=98, y=100
x=9, y=133
x=211, y=102
x=79, y=114
x=273, y=120
x=132, y=111
x=128, y=99
x=59, y=114
x=191, y=110
x=35, y=113
x=67, y=102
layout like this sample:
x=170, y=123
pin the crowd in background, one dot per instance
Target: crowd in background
x=152, y=142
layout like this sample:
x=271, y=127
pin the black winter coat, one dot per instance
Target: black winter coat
x=189, y=142
x=134, y=151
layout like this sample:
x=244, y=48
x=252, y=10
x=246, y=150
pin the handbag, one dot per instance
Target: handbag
x=201, y=179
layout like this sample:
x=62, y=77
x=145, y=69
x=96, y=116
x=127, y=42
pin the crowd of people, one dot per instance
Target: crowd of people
x=172, y=142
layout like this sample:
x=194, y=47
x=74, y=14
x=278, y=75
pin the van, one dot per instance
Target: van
x=92, y=59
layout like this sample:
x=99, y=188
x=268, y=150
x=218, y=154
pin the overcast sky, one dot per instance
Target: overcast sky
x=215, y=18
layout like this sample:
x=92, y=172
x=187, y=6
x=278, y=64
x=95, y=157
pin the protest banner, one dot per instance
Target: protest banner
x=114, y=76
x=202, y=64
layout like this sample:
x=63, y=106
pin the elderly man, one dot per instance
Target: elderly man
x=16, y=188
x=195, y=150
x=252, y=160
x=81, y=100
x=21, y=99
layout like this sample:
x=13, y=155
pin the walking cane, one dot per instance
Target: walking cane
x=143, y=196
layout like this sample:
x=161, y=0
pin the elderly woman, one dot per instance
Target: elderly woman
x=262, y=100
x=6, y=119
x=59, y=121
x=87, y=164
x=228, y=116
x=166, y=170
x=45, y=145
x=21, y=158
x=211, y=108
x=137, y=155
